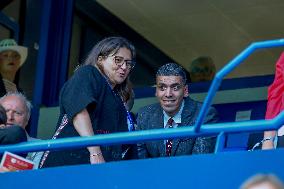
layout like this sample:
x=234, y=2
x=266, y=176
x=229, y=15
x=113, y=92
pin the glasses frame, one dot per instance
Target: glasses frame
x=130, y=64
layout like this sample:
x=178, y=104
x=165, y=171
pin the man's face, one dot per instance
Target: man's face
x=15, y=110
x=170, y=92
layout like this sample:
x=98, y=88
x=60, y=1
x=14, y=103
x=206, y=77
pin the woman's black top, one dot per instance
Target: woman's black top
x=87, y=88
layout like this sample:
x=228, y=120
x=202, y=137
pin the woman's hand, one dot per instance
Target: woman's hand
x=83, y=126
x=97, y=158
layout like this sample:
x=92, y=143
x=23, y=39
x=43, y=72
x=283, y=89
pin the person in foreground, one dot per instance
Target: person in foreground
x=175, y=109
x=92, y=102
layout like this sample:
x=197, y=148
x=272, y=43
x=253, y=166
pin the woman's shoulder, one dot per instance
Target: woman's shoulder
x=87, y=71
x=86, y=68
x=84, y=75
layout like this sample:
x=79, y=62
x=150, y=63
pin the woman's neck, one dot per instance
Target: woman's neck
x=9, y=76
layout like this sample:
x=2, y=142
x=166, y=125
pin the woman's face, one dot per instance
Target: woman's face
x=9, y=61
x=117, y=66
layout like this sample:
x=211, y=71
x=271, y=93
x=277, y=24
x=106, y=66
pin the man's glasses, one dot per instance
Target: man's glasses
x=119, y=61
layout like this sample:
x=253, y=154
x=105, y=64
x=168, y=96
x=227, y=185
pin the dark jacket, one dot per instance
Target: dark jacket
x=151, y=117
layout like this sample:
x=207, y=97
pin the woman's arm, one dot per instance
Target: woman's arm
x=83, y=126
x=268, y=144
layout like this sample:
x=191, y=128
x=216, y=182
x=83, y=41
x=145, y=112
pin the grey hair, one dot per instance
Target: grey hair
x=23, y=98
x=262, y=178
x=172, y=69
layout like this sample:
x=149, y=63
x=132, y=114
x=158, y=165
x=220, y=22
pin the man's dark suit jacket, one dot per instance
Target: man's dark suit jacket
x=151, y=117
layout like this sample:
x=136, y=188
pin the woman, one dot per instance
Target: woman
x=12, y=57
x=91, y=102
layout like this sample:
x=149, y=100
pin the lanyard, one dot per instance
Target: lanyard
x=130, y=120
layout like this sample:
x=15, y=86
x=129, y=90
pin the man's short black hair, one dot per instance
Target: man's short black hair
x=172, y=69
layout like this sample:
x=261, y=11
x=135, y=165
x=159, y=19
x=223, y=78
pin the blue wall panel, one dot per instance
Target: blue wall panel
x=222, y=170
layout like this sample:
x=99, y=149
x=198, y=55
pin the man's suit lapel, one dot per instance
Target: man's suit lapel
x=188, y=112
x=186, y=119
x=158, y=123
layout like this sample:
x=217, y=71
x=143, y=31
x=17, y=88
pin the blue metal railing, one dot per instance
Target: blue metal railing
x=227, y=69
x=156, y=134
x=147, y=135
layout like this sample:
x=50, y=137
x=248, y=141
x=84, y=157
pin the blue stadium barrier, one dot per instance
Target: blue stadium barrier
x=147, y=135
x=222, y=171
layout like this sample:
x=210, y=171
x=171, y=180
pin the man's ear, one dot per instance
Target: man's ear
x=186, y=93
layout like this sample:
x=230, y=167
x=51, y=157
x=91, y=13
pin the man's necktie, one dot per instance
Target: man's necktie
x=169, y=142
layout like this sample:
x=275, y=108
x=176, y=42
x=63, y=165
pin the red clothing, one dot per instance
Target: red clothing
x=275, y=99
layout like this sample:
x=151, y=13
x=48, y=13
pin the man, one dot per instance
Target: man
x=18, y=111
x=10, y=135
x=174, y=109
